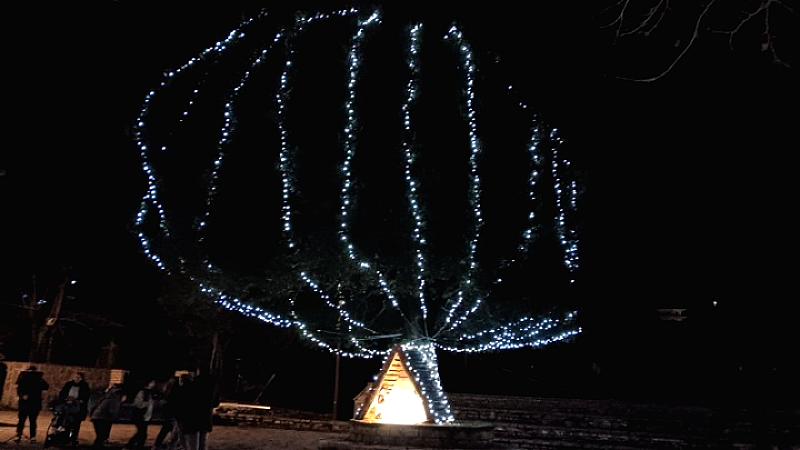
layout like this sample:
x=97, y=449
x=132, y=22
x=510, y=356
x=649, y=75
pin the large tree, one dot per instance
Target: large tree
x=368, y=182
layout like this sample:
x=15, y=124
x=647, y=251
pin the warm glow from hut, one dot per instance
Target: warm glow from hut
x=401, y=404
x=394, y=397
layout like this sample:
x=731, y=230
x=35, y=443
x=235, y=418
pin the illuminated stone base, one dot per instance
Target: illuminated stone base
x=366, y=435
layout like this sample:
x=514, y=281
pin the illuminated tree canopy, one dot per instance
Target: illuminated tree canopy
x=365, y=182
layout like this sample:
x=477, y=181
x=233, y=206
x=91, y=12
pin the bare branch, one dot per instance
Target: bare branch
x=748, y=16
x=769, y=44
x=20, y=306
x=609, y=8
x=646, y=23
x=695, y=35
x=790, y=9
x=763, y=8
x=763, y=17
x=621, y=20
x=75, y=321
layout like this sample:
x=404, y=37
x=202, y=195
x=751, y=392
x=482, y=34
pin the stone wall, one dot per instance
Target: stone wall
x=555, y=423
x=56, y=376
x=534, y=423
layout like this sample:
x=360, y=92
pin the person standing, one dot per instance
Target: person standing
x=143, y=405
x=180, y=407
x=104, y=413
x=30, y=385
x=75, y=393
x=201, y=399
x=172, y=403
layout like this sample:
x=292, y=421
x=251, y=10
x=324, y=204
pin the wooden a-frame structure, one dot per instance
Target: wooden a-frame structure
x=394, y=375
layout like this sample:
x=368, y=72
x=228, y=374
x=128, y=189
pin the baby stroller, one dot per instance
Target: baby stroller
x=59, y=432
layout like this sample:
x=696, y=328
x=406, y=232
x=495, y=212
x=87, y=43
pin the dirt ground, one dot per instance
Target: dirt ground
x=223, y=437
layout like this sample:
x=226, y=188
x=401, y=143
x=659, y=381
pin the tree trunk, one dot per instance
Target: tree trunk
x=217, y=354
x=42, y=334
x=425, y=367
x=30, y=303
x=38, y=333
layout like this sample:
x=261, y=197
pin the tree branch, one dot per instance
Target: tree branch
x=695, y=35
x=650, y=20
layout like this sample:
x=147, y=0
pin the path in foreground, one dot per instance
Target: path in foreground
x=224, y=437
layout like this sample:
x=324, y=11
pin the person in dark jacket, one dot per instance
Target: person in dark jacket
x=104, y=413
x=143, y=406
x=179, y=407
x=75, y=393
x=30, y=385
x=169, y=405
x=201, y=397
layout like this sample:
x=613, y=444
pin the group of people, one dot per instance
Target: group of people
x=186, y=404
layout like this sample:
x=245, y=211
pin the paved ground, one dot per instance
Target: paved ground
x=224, y=437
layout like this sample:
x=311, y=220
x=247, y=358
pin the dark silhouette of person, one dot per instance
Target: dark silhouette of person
x=201, y=397
x=30, y=385
x=143, y=406
x=170, y=404
x=75, y=393
x=104, y=413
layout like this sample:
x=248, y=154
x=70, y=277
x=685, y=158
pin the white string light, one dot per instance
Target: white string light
x=417, y=236
x=151, y=197
x=424, y=367
x=287, y=173
x=567, y=236
x=346, y=206
x=469, y=69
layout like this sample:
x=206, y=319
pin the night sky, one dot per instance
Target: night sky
x=688, y=189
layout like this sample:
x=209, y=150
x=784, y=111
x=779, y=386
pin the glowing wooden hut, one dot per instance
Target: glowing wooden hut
x=396, y=395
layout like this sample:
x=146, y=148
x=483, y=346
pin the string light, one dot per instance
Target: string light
x=287, y=175
x=468, y=67
x=533, y=180
x=424, y=367
x=349, y=132
x=567, y=236
x=412, y=90
x=454, y=331
x=151, y=200
x=524, y=332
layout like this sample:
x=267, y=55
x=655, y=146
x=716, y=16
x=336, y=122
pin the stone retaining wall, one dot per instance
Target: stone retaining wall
x=532, y=423
x=56, y=376
x=549, y=423
x=446, y=436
